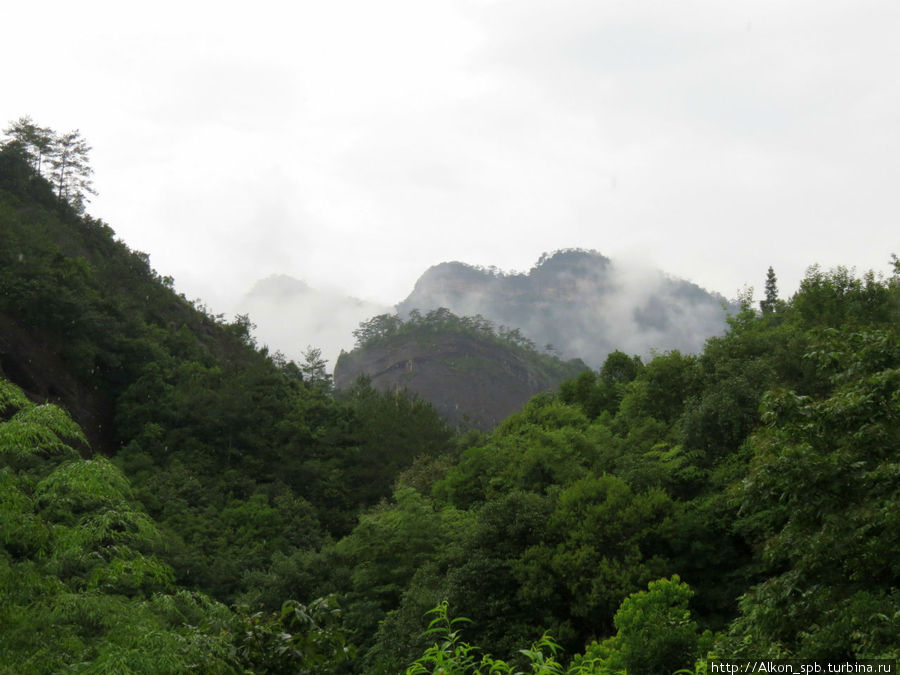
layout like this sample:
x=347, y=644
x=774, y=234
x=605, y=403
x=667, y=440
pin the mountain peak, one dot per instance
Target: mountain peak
x=278, y=286
x=580, y=301
x=568, y=258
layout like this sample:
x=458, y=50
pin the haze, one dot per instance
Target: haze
x=353, y=144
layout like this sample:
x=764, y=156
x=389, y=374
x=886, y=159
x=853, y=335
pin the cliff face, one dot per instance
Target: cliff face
x=34, y=363
x=471, y=381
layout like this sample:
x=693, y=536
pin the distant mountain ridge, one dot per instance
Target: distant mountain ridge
x=580, y=302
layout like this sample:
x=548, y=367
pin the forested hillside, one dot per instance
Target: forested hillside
x=213, y=432
x=207, y=506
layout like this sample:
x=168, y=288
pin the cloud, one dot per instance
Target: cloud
x=290, y=316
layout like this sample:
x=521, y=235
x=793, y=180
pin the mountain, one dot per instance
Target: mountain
x=290, y=315
x=574, y=304
x=471, y=373
x=580, y=302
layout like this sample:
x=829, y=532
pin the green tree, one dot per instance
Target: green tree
x=38, y=142
x=389, y=431
x=377, y=327
x=619, y=367
x=603, y=542
x=771, y=301
x=384, y=552
x=655, y=633
x=70, y=171
x=314, y=370
x=307, y=639
x=821, y=500
x=451, y=655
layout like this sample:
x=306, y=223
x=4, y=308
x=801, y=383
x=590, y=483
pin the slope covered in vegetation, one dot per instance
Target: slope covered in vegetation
x=237, y=453
x=83, y=583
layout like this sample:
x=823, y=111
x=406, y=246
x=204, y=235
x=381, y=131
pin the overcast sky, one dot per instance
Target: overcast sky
x=354, y=143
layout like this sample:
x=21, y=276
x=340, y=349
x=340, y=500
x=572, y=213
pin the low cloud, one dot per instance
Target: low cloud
x=582, y=303
x=290, y=316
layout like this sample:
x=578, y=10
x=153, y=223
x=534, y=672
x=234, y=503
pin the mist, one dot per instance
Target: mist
x=291, y=316
x=581, y=304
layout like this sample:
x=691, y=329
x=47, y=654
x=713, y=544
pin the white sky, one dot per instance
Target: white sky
x=353, y=143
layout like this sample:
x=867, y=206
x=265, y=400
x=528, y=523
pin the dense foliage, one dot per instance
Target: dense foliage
x=206, y=505
x=442, y=321
x=83, y=587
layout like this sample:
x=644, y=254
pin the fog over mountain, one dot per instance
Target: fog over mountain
x=581, y=302
x=290, y=315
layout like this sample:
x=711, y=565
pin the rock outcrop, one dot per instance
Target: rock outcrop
x=472, y=381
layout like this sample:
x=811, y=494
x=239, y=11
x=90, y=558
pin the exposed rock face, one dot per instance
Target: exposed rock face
x=581, y=302
x=471, y=381
x=34, y=364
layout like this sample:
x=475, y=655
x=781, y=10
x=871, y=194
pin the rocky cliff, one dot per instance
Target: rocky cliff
x=473, y=381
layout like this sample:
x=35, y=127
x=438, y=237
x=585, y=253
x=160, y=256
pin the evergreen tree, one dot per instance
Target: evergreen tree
x=37, y=142
x=314, y=370
x=67, y=154
x=70, y=171
x=768, y=305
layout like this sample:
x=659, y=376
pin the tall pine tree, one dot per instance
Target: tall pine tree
x=37, y=142
x=768, y=305
x=70, y=171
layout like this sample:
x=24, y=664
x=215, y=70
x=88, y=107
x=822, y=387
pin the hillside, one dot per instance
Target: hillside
x=581, y=302
x=470, y=374
x=206, y=424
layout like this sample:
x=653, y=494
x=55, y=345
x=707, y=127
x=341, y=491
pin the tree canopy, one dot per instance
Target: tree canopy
x=62, y=159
